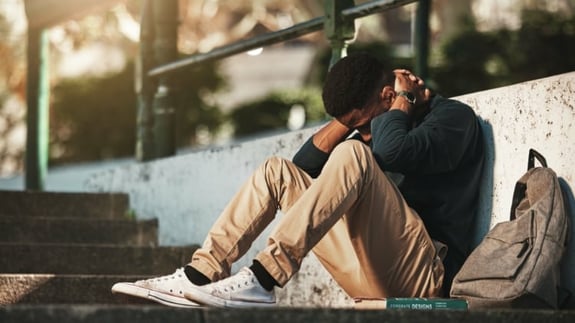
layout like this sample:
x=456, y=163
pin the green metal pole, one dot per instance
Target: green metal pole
x=145, y=86
x=422, y=38
x=37, y=99
x=166, y=51
x=338, y=30
x=362, y=10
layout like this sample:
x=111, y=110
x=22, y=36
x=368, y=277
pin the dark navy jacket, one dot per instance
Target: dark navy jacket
x=440, y=159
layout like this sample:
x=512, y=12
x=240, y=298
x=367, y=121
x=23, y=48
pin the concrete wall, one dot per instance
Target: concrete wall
x=187, y=192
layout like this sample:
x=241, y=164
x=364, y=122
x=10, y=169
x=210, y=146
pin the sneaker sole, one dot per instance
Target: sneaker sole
x=158, y=297
x=203, y=298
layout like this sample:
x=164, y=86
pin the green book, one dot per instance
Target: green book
x=411, y=303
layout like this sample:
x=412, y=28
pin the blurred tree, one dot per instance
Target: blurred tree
x=12, y=87
x=272, y=112
x=471, y=61
x=206, y=24
x=474, y=61
x=197, y=115
x=93, y=118
x=543, y=46
x=465, y=58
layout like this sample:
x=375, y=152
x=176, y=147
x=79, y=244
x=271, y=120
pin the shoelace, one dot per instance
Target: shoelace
x=239, y=286
x=177, y=274
x=224, y=287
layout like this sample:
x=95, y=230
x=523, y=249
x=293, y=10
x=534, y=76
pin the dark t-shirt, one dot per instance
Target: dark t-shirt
x=439, y=159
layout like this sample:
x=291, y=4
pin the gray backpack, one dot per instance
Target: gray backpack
x=517, y=263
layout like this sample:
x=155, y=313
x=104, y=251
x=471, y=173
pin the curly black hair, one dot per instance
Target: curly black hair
x=352, y=82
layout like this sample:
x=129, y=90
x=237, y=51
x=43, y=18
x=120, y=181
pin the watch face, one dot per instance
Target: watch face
x=409, y=96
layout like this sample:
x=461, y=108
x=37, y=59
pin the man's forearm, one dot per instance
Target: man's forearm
x=330, y=136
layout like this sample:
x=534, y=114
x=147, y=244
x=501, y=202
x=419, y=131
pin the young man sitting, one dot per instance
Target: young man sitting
x=376, y=195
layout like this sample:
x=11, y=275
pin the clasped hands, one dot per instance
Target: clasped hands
x=407, y=81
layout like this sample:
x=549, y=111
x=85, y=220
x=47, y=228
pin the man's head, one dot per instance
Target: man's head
x=356, y=82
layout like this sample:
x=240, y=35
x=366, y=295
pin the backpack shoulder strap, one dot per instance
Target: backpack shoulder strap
x=520, y=187
x=531, y=161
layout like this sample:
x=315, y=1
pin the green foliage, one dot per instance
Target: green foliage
x=474, y=61
x=544, y=46
x=94, y=118
x=272, y=111
x=195, y=87
x=466, y=56
x=471, y=61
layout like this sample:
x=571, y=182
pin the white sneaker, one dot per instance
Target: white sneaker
x=168, y=290
x=239, y=290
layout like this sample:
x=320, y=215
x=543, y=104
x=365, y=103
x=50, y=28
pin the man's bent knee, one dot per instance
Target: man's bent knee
x=274, y=161
x=352, y=151
x=273, y=165
x=278, y=169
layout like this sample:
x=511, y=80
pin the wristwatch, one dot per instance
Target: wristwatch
x=409, y=97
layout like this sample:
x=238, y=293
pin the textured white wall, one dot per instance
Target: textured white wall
x=186, y=193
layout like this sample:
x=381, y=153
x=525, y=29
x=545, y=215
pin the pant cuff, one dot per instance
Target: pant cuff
x=273, y=268
x=206, y=269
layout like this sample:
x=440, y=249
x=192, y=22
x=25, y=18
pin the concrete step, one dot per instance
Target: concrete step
x=91, y=259
x=149, y=314
x=78, y=230
x=86, y=205
x=63, y=289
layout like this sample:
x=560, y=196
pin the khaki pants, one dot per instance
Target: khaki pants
x=352, y=217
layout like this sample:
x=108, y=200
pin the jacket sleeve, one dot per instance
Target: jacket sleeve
x=437, y=145
x=310, y=158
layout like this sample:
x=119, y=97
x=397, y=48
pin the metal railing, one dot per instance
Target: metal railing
x=298, y=30
x=156, y=113
x=159, y=59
